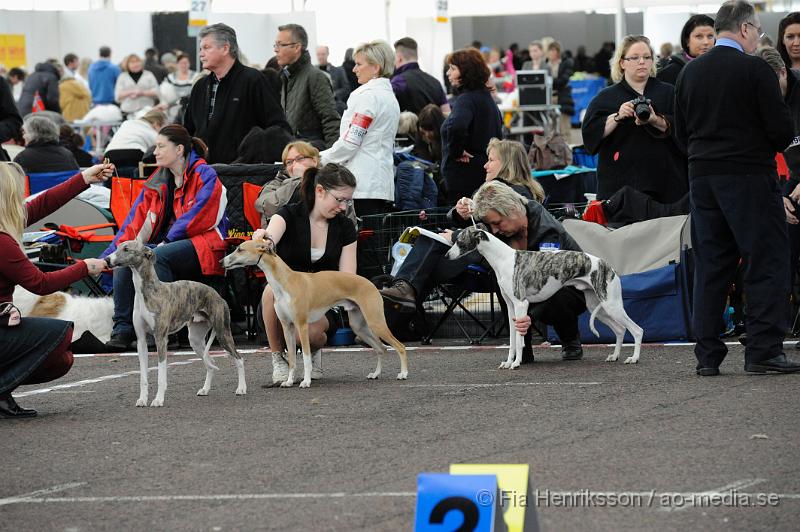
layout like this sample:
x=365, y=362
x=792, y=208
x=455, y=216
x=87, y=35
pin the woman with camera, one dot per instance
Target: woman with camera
x=629, y=126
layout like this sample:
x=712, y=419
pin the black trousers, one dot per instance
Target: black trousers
x=426, y=266
x=737, y=216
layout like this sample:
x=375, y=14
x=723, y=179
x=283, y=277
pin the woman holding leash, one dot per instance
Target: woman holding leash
x=34, y=350
x=310, y=236
x=180, y=211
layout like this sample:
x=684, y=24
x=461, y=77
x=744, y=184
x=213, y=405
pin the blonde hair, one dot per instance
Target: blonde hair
x=515, y=168
x=616, y=70
x=154, y=117
x=378, y=53
x=302, y=147
x=498, y=197
x=12, y=210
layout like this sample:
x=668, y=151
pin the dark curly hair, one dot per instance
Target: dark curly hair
x=788, y=20
x=472, y=67
x=695, y=21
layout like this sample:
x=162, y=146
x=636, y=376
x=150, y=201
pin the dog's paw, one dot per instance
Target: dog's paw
x=242, y=390
x=157, y=402
x=287, y=384
x=631, y=360
x=515, y=364
x=305, y=383
x=611, y=358
x=202, y=392
x=141, y=401
x=403, y=375
x=504, y=365
x=373, y=375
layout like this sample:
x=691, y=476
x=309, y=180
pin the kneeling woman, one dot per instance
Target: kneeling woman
x=35, y=350
x=310, y=236
x=180, y=211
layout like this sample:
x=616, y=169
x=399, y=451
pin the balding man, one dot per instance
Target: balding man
x=414, y=88
x=341, y=86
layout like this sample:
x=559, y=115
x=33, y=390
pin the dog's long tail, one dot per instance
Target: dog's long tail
x=592, y=317
x=206, y=358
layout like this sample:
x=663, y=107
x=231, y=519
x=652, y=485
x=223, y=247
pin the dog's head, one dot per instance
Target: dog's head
x=249, y=253
x=468, y=240
x=131, y=253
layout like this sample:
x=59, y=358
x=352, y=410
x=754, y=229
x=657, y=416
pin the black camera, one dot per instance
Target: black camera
x=641, y=108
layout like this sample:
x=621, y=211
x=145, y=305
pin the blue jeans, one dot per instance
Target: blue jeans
x=176, y=260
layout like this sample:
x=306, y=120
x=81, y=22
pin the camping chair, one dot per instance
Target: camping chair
x=475, y=280
x=39, y=181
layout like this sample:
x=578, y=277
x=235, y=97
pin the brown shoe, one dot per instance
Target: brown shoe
x=401, y=296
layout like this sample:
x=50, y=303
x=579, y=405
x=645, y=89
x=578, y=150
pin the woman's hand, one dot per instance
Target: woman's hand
x=259, y=234
x=625, y=111
x=98, y=173
x=95, y=266
x=795, y=194
x=522, y=324
x=464, y=208
x=791, y=214
x=465, y=157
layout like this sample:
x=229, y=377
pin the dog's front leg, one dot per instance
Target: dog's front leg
x=520, y=310
x=161, y=347
x=291, y=352
x=141, y=350
x=512, y=333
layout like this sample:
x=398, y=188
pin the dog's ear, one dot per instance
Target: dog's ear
x=481, y=226
x=149, y=254
x=269, y=246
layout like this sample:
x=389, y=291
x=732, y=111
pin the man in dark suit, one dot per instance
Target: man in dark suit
x=730, y=114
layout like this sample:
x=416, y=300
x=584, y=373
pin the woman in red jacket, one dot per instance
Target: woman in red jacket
x=181, y=212
x=37, y=349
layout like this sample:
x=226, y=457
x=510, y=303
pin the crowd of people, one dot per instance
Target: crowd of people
x=697, y=130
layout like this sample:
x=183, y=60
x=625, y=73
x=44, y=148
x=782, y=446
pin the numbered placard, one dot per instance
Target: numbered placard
x=514, y=498
x=456, y=503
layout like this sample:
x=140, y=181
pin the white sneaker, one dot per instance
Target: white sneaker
x=280, y=367
x=316, y=365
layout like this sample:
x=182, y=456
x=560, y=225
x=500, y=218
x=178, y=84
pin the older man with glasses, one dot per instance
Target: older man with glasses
x=306, y=93
x=730, y=114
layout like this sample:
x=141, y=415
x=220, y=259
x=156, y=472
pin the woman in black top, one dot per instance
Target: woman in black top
x=310, y=236
x=632, y=151
x=474, y=120
x=697, y=38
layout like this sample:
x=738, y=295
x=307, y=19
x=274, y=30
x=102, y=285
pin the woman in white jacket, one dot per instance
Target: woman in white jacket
x=366, y=134
x=136, y=88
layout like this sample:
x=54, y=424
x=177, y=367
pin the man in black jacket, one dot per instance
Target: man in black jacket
x=730, y=114
x=414, y=88
x=225, y=105
x=10, y=121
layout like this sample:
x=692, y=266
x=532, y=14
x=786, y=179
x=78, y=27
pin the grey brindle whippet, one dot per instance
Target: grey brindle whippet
x=527, y=277
x=163, y=308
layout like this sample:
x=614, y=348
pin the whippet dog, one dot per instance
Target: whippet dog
x=526, y=277
x=303, y=298
x=164, y=308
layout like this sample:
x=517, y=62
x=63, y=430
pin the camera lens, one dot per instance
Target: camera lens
x=642, y=111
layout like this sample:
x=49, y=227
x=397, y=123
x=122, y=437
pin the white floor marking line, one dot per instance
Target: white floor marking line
x=34, y=498
x=98, y=379
x=498, y=384
x=37, y=494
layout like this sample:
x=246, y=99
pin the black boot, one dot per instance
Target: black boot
x=527, y=349
x=121, y=342
x=572, y=350
x=10, y=409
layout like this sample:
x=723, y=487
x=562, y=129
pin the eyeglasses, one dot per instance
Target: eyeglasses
x=340, y=201
x=758, y=30
x=638, y=58
x=279, y=45
x=298, y=159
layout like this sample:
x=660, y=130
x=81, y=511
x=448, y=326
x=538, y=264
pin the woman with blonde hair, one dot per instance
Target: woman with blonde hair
x=34, y=350
x=136, y=88
x=629, y=126
x=369, y=124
